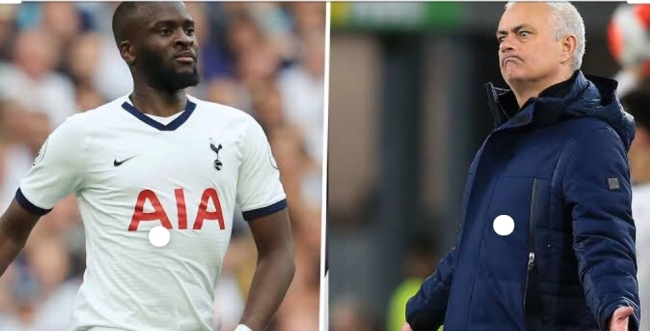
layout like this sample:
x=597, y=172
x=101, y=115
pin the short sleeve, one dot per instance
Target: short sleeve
x=259, y=189
x=56, y=171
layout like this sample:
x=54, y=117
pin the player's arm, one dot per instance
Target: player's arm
x=15, y=226
x=275, y=268
x=597, y=189
x=53, y=177
x=261, y=196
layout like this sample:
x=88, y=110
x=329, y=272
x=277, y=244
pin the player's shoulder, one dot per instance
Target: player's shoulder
x=221, y=112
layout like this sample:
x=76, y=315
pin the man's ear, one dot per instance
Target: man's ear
x=127, y=52
x=569, y=45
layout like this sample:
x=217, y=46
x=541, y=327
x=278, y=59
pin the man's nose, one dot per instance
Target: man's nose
x=506, y=45
x=185, y=39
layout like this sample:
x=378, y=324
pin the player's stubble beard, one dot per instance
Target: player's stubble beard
x=162, y=75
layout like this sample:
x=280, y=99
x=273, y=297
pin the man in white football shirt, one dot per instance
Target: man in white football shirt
x=159, y=157
x=637, y=103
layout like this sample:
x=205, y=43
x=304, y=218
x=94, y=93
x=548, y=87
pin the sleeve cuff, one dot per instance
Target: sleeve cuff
x=635, y=319
x=420, y=316
x=30, y=207
x=264, y=211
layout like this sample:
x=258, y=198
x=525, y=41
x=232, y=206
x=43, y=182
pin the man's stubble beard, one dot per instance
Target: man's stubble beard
x=164, y=77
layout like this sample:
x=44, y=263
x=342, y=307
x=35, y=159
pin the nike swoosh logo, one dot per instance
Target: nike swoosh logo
x=119, y=163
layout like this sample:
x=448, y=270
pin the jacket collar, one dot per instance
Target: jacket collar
x=546, y=109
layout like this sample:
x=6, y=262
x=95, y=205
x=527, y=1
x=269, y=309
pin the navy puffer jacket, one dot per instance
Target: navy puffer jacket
x=559, y=168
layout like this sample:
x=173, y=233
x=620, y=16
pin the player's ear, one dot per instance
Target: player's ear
x=127, y=52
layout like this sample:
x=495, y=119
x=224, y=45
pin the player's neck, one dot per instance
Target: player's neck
x=158, y=103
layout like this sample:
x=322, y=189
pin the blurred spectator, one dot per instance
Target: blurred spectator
x=243, y=34
x=351, y=314
x=268, y=105
x=303, y=89
x=417, y=267
x=57, y=59
x=7, y=12
x=229, y=92
x=309, y=16
x=62, y=19
x=32, y=73
x=82, y=59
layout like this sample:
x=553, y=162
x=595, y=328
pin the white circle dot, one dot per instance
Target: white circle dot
x=504, y=225
x=159, y=236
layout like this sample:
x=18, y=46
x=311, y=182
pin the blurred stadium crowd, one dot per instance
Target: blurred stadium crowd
x=57, y=59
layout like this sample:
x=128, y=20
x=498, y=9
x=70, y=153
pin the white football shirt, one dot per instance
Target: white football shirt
x=131, y=173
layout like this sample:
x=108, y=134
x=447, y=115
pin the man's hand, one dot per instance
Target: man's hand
x=620, y=319
x=406, y=327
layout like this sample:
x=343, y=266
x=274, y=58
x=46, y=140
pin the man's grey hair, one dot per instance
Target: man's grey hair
x=566, y=20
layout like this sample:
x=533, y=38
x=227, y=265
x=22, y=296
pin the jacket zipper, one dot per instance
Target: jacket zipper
x=531, y=238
